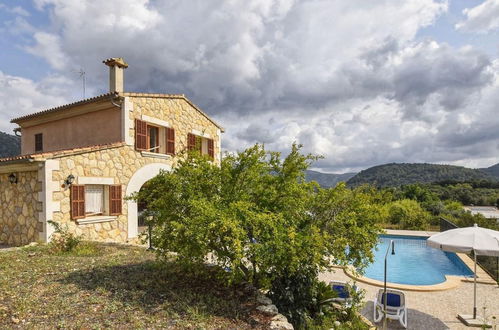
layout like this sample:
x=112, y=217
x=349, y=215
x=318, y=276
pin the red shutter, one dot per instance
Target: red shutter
x=211, y=148
x=140, y=135
x=170, y=141
x=77, y=201
x=115, y=200
x=191, y=142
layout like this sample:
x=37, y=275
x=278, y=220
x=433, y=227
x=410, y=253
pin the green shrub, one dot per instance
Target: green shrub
x=62, y=239
x=408, y=214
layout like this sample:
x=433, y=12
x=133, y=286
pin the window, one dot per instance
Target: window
x=95, y=200
x=154, y=138
x=203, y=145
x=38, y=142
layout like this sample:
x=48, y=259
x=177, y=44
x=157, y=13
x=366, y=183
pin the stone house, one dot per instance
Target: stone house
x=78, y=161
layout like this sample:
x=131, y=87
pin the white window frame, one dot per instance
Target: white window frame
x=162, y=126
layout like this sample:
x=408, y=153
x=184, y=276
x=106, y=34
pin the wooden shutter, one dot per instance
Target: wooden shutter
x=211, y=148
x=77, y=201
x=140, y=135
x=115, y=201
x=170, y=141
x=191, y=142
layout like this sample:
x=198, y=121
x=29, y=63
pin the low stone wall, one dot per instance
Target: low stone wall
x=278, y=321
x=19, y=208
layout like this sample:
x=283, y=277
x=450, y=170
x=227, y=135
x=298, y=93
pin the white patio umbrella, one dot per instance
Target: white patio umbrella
x=481, y=241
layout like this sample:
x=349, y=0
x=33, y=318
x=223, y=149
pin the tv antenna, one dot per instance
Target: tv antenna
x=81, y=74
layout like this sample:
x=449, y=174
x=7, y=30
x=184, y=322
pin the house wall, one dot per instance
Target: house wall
x=180, y=115
x=19, y=207
x=99, y=127
x=118, y=164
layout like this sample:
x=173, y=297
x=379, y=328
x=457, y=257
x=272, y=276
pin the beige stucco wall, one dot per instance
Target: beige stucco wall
x=19, y=208
x=121, y=163
x=99, y=127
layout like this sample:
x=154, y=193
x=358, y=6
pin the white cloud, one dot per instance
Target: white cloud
x=482, y=18
x=20, y=96
x=48, y=46
x=17, y=10
x=349, y=80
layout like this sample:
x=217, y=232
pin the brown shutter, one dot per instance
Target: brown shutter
x=77, y=201
x=140, y=135
x=211, y=148
x=170, y=141
x=115, y=200
x=191, y=142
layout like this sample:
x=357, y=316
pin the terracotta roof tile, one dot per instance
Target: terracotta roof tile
x=15, y=158
x=62, y=107
x=61, y=153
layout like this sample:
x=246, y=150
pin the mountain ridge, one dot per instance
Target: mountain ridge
x=327, y=179
x=10, y=145
x=398, y=174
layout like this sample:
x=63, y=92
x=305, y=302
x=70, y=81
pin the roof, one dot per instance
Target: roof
x=60, y=153
x=111, y=95
x=174, y=96
x=489, y=212
x=63, y=107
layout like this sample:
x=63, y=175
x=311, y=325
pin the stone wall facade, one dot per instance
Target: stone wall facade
x=19, y=208
x=118, y=164
x=180, y=115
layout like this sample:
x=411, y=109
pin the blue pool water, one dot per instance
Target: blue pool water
x=414, y=262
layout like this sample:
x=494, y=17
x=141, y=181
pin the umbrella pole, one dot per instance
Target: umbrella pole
x=474, y=293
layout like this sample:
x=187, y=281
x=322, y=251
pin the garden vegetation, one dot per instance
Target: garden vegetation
x=257, y=217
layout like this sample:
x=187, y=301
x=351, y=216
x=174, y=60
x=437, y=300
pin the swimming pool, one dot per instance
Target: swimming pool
x=414, y=263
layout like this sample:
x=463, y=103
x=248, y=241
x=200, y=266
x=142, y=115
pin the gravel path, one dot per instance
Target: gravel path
x=432, y=310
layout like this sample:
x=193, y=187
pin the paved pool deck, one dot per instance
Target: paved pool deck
x=434, y=310
x=431, y=310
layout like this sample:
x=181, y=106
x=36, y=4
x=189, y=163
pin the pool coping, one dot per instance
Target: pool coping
x=451, y=281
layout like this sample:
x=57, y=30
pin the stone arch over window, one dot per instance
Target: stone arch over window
x=138, y=179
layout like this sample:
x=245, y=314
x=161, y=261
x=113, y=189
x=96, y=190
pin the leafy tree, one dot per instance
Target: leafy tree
x=408, y=214
x=257, y=217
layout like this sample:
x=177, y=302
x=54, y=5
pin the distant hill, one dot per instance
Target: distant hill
x=492, y=170
x=394, y=175
x=327, y=180
x=10, y=145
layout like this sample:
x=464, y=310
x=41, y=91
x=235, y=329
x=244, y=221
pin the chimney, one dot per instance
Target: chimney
x=116, y=79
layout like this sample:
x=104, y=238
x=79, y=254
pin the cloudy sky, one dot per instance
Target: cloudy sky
x=360, y=82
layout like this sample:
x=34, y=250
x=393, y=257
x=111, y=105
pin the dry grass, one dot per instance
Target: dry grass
x=109, y=286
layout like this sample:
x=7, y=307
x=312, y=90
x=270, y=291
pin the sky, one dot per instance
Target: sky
x=359, y=82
